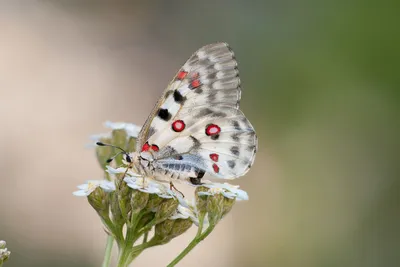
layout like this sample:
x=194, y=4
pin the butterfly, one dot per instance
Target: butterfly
x=196, y=127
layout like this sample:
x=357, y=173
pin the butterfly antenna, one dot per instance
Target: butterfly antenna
x=128, y=158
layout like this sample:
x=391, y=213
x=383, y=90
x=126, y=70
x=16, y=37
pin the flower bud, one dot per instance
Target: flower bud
x=99, y=200
x=123, y=193
x=201, y=201
x=163, y=229
x=145, y=219
x=118, y=219
x=154, y=202
x=2, y=244
x=228, y=204
x=103, y=153
x=131, y=146
x=138, y=201
x=166, y=209
x=215, y=208
x=180, y=226
x=119, y=138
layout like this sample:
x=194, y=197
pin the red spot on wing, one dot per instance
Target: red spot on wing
x=212, y=129
x=214, y=157
x=154, y=148
x=195, y=83
x=181, y=75
x=178, y=126
x=145, y=147
x=216, y=168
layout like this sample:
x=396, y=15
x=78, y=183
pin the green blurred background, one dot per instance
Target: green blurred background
x=320, y=85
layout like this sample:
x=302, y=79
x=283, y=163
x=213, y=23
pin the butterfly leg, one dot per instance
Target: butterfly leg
x=172, y=186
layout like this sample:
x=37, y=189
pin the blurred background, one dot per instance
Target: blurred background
x=320, y=85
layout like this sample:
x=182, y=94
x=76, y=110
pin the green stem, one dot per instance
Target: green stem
x=112, y=229
x=107, y=254
x=199, y=237
x=125, y=253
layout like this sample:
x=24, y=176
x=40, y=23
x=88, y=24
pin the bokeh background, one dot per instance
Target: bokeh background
x=320, y=84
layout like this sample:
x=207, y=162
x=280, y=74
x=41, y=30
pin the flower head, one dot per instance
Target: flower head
x=187, y=210
x=131, y=129
x=4, y=253
x=227, y=190
x=144, y=185
x=91, y=185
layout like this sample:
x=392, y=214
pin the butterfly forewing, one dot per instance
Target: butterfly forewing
x=196, y=126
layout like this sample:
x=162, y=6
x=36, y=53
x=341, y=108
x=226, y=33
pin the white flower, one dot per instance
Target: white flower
x=227, y=190
x=91, y=185
x=131, y=129
x=143, y=184
x=187, y=210
x=120, y=170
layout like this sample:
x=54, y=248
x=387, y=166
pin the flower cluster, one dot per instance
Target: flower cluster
x=4, y=253
x=134, y=208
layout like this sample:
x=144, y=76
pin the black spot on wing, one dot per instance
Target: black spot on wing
x=204, y=112
x=235, y=137
x=215, y=137
x=152, y=130
x=164, y=114
x=178, y=97
x=231, y=164
x=236, y=125
x=196, y=142
x=235, y=150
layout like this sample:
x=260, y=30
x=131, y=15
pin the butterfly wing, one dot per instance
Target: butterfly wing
x=197, y=126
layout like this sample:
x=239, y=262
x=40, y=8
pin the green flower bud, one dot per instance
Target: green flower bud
x=139, y=200
x=180, y=226
x=166, y=209
x=163, y=229
x=103, y=153
x=119, y=138
x=201, y=201
x=131, y=146
x=215, y=208
x=99, y=200
x=118, y=219
x=2, y=244
x=228, y=204
x=154, y=202
x=146, y=219
x=124, y=197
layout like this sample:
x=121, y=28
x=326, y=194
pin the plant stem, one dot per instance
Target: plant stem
x=107, y=254
x=199, y=237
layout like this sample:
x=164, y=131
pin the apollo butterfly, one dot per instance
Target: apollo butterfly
x=196, y=127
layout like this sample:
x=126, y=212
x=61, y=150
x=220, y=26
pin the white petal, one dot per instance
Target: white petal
x=80, y=193
x=108, y=186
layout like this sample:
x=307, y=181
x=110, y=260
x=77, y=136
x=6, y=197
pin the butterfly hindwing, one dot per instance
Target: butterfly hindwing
x=196, y=126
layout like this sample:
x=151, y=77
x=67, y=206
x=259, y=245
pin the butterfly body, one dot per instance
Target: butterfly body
x=196, y=127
